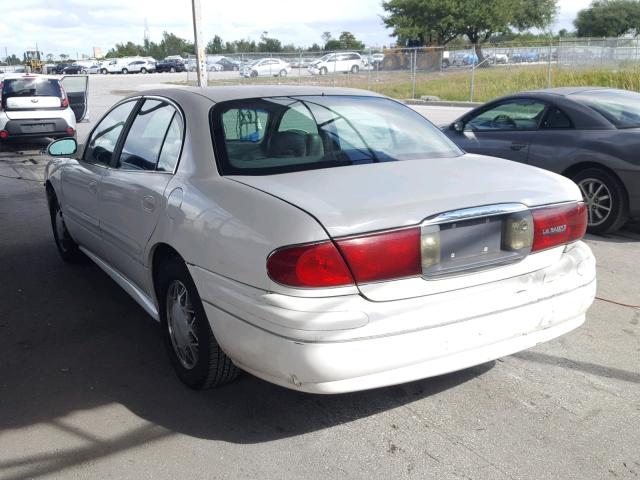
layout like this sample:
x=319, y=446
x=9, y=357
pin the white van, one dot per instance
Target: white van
x=118, y=65
x=343, y=62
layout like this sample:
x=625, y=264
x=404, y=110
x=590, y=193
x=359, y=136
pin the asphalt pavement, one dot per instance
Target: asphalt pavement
x=86, y=390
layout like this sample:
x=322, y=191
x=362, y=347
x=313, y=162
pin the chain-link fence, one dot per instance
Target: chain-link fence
x=471, y=72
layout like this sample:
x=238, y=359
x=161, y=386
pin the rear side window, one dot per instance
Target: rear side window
x=266, y=136
x=556, y=120
x=620, y=107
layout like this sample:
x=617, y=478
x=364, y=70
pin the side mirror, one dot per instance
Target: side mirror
x=458, y=126
x=63, y=147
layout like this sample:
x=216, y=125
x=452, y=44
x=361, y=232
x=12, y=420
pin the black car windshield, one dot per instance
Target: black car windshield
x=267, y=136
x=620, y=107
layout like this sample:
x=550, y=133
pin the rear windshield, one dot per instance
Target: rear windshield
x=31, y=87
x=267, y=136
x=620, y=107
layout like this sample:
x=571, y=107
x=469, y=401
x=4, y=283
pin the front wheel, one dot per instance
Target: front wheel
x=172, y=70
x=104, y=71
x=143, y=70
x=606, y=200
x=125, y=71
x=355, y=69
x=324, y=71
x=254, y=74
x=283, y=73
x=195, y=354
x=67, y=247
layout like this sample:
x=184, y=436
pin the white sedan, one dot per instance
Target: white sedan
x=266, y=67
x=326, y=240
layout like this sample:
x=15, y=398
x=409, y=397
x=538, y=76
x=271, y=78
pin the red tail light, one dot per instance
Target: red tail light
x=70, y=131
x=4, y=134
x=309, y=266
x=559, y=225
x=383, y=256
x=64, y=102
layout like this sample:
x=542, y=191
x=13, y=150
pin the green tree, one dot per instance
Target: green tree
x=215, y=45
x=609, y=18
x=441, y=21
x=173, y=45
x=268, y=44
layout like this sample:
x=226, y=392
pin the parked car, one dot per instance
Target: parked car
x=227, y=64
x=343, y=62
x=266, y=67
x=525, y=57
x=302, y=62
x=57, y=69
x=498, y=58
x=171, y=65
x=94, y=69
x=41, y=106
x=326, y=240
x=587, y=134
x=142, y=66
x=465, y=58
x=74, y=70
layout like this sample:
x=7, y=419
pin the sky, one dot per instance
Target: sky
x=75, y=26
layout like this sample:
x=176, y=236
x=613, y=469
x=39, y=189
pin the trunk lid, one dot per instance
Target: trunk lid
x=366, y=198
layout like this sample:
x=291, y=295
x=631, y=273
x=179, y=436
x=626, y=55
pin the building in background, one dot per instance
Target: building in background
x=97, y=52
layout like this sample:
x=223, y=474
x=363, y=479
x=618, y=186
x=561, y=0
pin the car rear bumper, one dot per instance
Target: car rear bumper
x=45, y=127
x=342, y=344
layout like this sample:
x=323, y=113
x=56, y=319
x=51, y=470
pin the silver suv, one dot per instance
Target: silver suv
x=41, y=105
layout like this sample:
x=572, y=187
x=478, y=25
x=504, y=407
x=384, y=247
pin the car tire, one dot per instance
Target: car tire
x=172, y=69
x=324, y=71
x=606, y=200
x=125, y=71
x=66, y=245
x=254, y=74
x=355, y=69
x=104, y=71
x=283, y=73
x=143, y=70
x=184, y=321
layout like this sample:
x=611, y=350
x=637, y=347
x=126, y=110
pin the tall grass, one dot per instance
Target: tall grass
x=498, y=81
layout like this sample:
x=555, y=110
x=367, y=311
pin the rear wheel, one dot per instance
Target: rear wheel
x=125, y=71
x=172, y=69
x=605, y=198
x=104, y=71
x=324, y=71
x=194, y=352
x=67, y=247
x=283, y=73
x=143, y=70
x=355, y=69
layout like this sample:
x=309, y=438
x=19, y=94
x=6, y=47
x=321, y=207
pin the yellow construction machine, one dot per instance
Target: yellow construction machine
x=33, y=60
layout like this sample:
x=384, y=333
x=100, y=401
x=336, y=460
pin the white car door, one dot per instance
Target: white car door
x=77, y=88
x=81, y=180
x=131, y=195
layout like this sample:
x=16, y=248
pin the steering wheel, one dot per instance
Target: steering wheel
x=503, y=120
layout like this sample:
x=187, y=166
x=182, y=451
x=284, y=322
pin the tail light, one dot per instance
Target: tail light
x=64, y=101
x=558, y=225
x=70, y=131
x=309, y=266
x=4, y=134
x=427, y=250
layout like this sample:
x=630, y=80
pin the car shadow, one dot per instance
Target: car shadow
x=71, y=340
x=31, y=146
x=630, y=233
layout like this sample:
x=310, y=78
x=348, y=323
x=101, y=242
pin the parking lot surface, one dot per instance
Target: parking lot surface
x=86, y=390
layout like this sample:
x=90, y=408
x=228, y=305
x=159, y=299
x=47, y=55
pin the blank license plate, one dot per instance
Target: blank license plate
x=38, y=127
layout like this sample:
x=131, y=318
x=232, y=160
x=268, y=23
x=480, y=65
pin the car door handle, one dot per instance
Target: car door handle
x=148, y=203
x=518, y=146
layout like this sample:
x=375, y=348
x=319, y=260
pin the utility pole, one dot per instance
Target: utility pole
x=197, y=33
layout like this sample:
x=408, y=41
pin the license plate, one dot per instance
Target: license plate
x=38, y=127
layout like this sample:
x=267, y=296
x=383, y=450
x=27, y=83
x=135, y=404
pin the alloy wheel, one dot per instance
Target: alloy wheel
x=181, y=322
x=597, y=196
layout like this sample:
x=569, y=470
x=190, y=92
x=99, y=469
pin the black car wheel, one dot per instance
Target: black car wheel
x=143, y=70
x=324, y=71
x=104, y=71
x=125, y=71
x=195, y=354
x=606, y=200
x=254, y=74
x=355, y=69
x=67, y=247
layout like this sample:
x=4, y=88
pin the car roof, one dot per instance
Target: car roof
x=566, y=91
x=225, y=93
